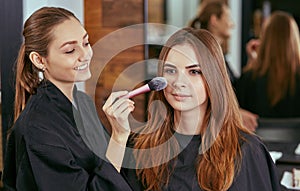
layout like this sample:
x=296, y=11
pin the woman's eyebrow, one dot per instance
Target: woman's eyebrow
x=69, y=42
x=169, y=65
x=74, y=41
x=85, y=36
x=192, y=66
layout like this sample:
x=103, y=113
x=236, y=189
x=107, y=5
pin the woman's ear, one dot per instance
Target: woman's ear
x=213, y=20
x=37, y=60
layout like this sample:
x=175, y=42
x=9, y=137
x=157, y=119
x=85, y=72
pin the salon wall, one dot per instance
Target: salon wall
x=179, y=12
x=118, y=43
x=76, y=6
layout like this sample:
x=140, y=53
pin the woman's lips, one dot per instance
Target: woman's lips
x=180, y=97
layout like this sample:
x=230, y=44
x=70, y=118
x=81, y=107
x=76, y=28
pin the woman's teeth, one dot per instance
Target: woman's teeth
x=82, y=67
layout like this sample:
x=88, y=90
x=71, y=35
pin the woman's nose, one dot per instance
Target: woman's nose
x=85, y=54
x=180, y=80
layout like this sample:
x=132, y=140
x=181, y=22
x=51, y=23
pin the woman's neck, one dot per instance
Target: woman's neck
x=188, y=122
x=216, y=34
x=66, y=89
x=219, y=39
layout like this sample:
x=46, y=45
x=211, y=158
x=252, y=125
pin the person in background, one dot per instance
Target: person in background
x=194, y=138
x=46, y=149
x=270, y=82
x=215, y=16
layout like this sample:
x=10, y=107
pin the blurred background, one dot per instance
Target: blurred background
x=102, y=17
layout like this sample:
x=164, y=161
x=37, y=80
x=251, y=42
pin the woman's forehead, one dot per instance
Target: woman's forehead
x=183, y=52
x=69, y=30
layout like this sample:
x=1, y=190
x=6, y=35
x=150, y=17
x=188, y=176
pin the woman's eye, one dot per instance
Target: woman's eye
x=71, y=51
x=87, y=44
x=169, y=71
x=195, y=72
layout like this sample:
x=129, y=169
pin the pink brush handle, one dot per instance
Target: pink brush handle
x=140, y=90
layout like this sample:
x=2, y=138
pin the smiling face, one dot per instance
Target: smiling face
x=186, y=89
x=69, y=54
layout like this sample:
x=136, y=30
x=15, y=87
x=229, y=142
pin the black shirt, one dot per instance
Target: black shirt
x=54, y=146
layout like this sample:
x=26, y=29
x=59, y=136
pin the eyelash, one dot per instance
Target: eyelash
x=69, y=52
x=169, y=71
x=199, y=72
x=85, y=44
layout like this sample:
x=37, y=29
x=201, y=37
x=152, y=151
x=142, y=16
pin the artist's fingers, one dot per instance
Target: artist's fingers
x=117, y=108
x=114, y=96
x=121, y=109
x=118, y=114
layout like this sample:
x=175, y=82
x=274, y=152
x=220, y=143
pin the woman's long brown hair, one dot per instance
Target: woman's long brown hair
x=278, y=56
x=221, y=154
x=37, y=37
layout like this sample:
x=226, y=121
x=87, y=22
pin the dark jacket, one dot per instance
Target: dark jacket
x=56, y=146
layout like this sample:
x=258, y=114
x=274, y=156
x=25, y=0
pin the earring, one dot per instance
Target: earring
x=41, y=72
x=42, y=67
x=41, y=75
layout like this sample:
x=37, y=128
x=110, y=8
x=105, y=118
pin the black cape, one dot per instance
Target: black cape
x=258, y=172
x=252, y=95
x=56, y=146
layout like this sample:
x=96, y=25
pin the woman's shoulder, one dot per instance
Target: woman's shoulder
x=251, y=141
x=38, y=107
x=254, y=151
x=39, y=115
x=257, y=171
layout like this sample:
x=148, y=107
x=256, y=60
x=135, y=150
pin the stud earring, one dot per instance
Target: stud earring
x=42, y=67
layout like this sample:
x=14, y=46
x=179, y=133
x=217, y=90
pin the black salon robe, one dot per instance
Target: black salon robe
x=252, y=95
x=258, y=172
x=54, y=146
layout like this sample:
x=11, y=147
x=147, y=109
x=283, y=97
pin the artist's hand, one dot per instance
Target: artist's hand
x=117, y=110
x=249, y=119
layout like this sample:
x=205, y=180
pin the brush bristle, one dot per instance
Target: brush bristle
x=157, y=83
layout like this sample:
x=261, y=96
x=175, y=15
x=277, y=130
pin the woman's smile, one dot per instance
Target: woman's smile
x=81, y=67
